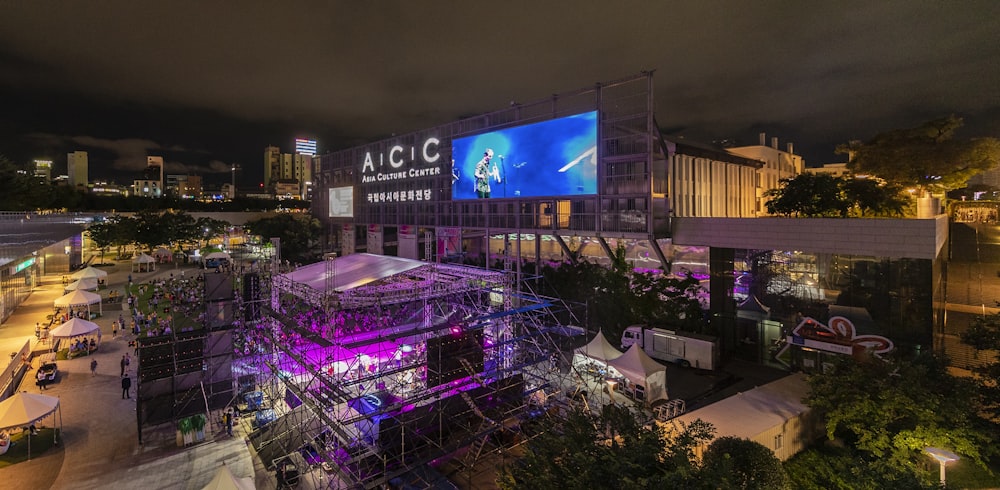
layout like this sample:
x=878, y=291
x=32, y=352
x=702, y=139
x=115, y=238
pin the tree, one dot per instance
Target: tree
x=823, y=195
x=890, y=411
x=611, y=451
x=984, y=335
x=731, y=462
x=103, y=235
x=926, y=157
x=298, y=234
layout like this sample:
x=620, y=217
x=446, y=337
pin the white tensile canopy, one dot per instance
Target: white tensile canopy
x=599, y=349
x=351, y=271
x=642, y=370
x=74, y=327
x=217, y=255
x=78, y=298
x=162, y=252
x=23, y=409
x=143, y=261
x=86, y=284
x=225, y=480
x=89, y=273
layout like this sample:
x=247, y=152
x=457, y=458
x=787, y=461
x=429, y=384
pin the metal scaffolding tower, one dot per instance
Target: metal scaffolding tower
x=362, y=385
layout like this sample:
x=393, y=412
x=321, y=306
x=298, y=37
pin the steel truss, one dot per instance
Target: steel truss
x=364, y=388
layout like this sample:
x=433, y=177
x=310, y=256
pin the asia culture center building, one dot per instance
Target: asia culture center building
x=578, y=175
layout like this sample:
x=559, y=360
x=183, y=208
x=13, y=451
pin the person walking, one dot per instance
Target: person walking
x=126, y=385
x=128, y=361
x=123, y=365
x=228, y=419
x=93, y=367
x=114, y=329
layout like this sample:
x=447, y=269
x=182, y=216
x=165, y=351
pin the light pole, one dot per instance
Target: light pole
x=943, y=456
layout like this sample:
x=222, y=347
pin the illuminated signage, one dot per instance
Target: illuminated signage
x=342, y=202
x=402, y=162
x=550, y=158
x=23, y=265
x=305, y=146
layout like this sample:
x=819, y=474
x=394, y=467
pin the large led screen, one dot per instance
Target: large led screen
x=551, y=158
x=342, y=202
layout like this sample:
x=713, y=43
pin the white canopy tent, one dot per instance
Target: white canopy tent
x=143, y=261
x=225, y=480
x=79, y=298
x=217, y=255
x=23, y=409
x=75, y=327
x=86, y=284
x=644, y=371
x=599, y=349
x=89, y=272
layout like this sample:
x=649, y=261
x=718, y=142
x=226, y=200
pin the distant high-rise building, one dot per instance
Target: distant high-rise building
x=151, y=183
x=43, y=170
x=184, y=186
x=76, y=168
x=286, y=167
x=305, y=146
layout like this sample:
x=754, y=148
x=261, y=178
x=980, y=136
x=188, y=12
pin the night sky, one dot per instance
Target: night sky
x=207, y=84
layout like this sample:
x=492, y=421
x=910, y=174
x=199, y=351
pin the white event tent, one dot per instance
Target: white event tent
x=23, y=409
x=642, y=370
x=89, y=272
x=75, y=327
x=79, y=298
x=86, y=284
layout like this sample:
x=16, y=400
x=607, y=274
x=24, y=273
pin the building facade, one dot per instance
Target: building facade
x=285, y=167
x=77, y=168
x=581, y=174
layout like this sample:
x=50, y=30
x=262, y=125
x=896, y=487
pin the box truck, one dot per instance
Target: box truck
x=683, y=348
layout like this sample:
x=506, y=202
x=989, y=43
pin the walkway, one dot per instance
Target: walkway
x=99, y=447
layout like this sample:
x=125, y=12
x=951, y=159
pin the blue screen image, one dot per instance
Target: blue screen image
x=550, y=158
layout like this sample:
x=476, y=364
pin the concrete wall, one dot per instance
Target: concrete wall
x=891, y=238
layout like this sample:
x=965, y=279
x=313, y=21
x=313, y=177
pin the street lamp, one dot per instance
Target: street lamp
x=943, y=456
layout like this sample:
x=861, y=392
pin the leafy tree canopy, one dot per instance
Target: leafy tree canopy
x=984, y=335
x=613, y=451
x=299, y=234
x=823, y=195
x=927, y=156
x=731, y=462
x=890, y=411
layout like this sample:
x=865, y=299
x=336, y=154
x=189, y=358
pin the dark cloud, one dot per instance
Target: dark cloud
x=224, y=82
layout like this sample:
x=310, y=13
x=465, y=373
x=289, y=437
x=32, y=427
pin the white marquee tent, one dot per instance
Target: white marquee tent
x=23, y=409
x=89, y=272
x=225, y=480
x=143, y=261
x=599, y=349
x=86, y=284
x=642, y=370
x=75, y=327
x=79, y=298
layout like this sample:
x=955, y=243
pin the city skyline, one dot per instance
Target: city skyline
x=208, y=87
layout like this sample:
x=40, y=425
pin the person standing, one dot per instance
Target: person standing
x=126, y=385
x=228, y=419
x=93, y=367
x=114, y=329
x=482, y=174
x=123, y=365
x=128, y=360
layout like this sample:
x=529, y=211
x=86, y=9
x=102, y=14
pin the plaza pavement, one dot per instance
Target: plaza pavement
x=99, y=446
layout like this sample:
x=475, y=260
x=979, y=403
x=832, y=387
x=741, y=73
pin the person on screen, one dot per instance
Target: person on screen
x=483, y=173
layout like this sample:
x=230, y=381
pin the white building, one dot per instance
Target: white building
x=778, y=165
x=772, y=415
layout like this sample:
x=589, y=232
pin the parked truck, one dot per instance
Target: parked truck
x=683, y=348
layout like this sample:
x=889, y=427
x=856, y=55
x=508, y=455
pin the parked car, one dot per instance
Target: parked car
x=47, y=373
